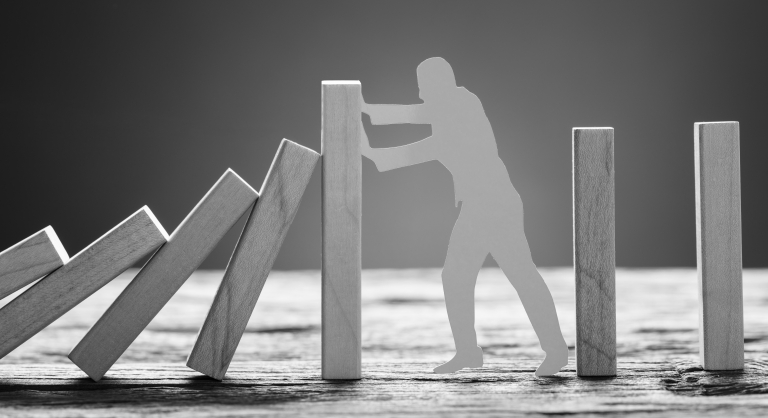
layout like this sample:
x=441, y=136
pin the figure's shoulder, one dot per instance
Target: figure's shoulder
x=467, y=95
x=464, y=92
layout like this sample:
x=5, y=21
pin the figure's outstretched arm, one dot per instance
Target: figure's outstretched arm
x=387, y=114
x=391, y=158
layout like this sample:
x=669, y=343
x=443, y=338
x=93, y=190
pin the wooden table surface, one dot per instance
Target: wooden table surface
x=405, y=334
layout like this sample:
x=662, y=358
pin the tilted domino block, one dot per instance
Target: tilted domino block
x=718, y=245
x=252, y=259
x=30, y=260
x=594, y=254
x=89, y=270
x=341, y=208
x=163, y=275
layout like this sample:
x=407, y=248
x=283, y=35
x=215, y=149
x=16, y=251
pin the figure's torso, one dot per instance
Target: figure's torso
x=469, y=149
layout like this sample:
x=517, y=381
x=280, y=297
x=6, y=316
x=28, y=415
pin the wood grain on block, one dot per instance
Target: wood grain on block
x=163, y=275
x=718, y=245
x=89, y=270
x=252, y=259
x=594, y=251
x=341, y=207
x=30, y=260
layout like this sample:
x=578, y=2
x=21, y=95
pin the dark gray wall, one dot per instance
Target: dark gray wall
x=108, y=106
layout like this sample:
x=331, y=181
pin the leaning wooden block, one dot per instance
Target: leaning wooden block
x=718, y=245
x=341, y=208
x=594, y=255
x=252, y=260
x=30, y=260
x=163, y=275
x=89, y=270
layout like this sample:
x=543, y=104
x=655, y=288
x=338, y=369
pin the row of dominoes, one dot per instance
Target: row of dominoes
x=67, y=281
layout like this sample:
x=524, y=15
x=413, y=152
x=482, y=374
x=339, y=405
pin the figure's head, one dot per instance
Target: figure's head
x=435, y=76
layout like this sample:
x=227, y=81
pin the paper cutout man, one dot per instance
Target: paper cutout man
x=491, y=218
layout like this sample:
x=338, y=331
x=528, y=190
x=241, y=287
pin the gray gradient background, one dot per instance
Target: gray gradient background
x=108, y=106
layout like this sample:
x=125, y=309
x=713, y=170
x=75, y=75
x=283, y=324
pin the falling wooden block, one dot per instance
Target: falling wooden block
x=252, y=260
x=163, y=275
x=341, y=207
x=594, y=255
x=89, y=270
x=30, y=260
x=718, y=245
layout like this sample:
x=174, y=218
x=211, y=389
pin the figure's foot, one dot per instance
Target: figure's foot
x=556, y=359
x=466, y=359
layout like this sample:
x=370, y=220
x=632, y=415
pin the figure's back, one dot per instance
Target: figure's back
x=469, y=149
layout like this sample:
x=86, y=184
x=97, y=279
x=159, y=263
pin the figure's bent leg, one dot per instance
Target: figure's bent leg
x=516, y=262
x=463, y=262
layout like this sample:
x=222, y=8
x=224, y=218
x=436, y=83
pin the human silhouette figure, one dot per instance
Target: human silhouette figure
x=491, y=218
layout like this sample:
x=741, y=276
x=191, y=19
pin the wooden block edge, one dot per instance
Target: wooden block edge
x=57, y=245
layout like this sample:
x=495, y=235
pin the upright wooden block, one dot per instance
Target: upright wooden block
x=30, y=260
x=341, y=206
x=252, y=260
x=718, y=245
x=89, y=270
x=594, y=255
x=163, y=275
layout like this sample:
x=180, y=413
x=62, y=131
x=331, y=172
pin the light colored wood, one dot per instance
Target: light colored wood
x=163, y=275
x=341, y=207
x=30, y=260
x=594, y=255
x=252, y=260
x=89, y=270
x=718, y=245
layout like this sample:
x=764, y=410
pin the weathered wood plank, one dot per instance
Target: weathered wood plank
x=341, y=208
x=96, y=265
x=397, y=387
x=252, y=259
x=594, y=255
x=277, y=367
x=163, y=275
x=718, y=245
x=30, y=260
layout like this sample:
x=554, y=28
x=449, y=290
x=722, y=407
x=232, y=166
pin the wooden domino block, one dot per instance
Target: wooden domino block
x=718, y=245
x=594, y=255
x=252, y=260
x=163, y=275
x=89, y=270
x=30, y=260
x=341, y=207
